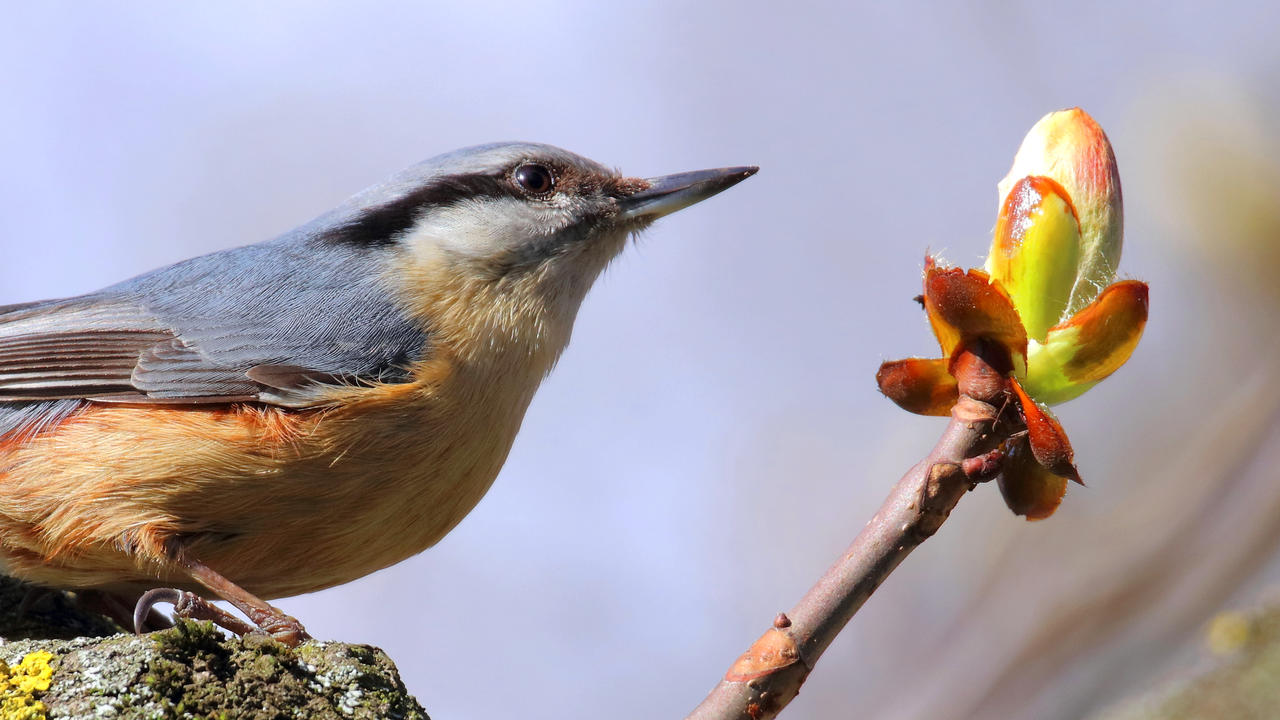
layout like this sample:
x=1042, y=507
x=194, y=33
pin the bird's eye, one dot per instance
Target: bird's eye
x=534, y=179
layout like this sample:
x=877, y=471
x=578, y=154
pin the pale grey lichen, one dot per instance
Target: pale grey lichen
x=194, y=672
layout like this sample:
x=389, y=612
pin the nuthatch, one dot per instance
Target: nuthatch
x=284, y=417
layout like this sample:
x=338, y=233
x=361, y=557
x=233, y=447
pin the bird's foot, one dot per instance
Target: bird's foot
x=282, y=627
x=269, y=618
x=264, y=618
x=193, y=607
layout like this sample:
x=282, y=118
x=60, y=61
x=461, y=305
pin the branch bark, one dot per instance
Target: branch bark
x=769, y=675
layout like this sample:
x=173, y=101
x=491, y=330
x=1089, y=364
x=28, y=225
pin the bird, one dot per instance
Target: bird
x=283, y=417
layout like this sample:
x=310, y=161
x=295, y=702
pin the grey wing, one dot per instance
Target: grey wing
x=268, y=323
x=65, y=349
x=109, y=352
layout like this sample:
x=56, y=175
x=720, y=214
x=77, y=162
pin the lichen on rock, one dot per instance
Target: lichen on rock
x=189, y=672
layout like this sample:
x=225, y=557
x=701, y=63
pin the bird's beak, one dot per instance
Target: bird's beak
x=670, y=193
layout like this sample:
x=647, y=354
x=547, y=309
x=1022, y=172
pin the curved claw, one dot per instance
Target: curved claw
x=148, y=601
x=188, y=605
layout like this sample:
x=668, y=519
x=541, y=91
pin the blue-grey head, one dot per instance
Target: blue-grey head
x=509, y=235
x=516, y=207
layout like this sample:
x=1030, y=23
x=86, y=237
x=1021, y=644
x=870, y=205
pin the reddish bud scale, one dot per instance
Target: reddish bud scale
x=966, y=306
x=1028, y=488
x=917, y=385
x=981, y=370
x=1049, y=442
x=1109, y=330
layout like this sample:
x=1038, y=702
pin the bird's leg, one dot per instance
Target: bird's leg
x=31, y=595
x=268, y=619
x=120, y=608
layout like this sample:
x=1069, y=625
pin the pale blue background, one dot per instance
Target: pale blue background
x=713, y=437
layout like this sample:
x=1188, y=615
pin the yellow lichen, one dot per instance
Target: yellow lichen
x=20, y=683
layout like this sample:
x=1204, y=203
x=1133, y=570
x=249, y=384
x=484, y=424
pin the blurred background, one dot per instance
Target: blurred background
x=713, y=437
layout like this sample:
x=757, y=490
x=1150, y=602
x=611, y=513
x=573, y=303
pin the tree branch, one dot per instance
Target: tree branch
x=770, y=673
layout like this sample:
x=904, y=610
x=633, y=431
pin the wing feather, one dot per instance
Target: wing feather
x=271, y=323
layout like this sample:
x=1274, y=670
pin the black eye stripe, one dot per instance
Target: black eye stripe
x=381, y=224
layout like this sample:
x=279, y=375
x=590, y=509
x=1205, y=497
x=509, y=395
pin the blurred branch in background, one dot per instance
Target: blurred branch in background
x=1241, y=685
x=1077, y=615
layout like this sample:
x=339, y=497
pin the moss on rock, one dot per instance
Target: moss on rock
x=194, y=672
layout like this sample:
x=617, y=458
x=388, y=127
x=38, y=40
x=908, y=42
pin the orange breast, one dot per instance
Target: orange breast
x=280, y=502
